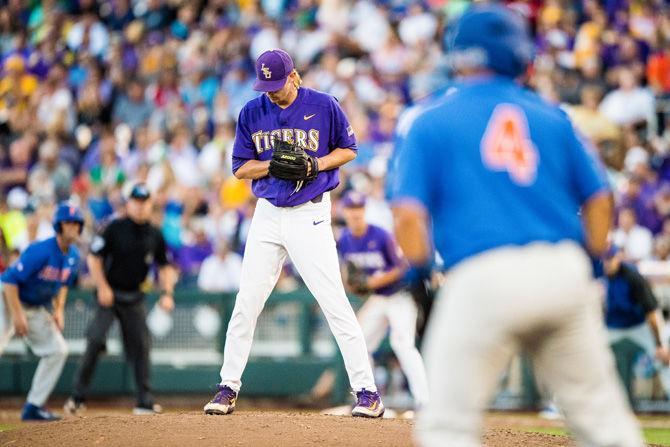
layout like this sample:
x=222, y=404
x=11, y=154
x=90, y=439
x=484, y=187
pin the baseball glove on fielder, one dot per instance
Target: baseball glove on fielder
x=357, y=279
x=291, y=162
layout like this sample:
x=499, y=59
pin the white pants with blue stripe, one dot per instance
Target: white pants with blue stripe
x=538, y=298
x=45, y=341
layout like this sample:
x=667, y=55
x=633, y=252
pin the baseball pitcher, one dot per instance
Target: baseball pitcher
x=291, y=141
x=502, y=176
x=35, y=289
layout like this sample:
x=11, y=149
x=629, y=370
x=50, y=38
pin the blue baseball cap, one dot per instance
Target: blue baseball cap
x=353, y=199
x=139, y=192
x=272, y=69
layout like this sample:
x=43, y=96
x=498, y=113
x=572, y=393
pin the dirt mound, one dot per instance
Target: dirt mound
x=244, y=428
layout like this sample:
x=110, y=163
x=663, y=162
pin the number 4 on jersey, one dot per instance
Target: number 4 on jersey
x=506, y=145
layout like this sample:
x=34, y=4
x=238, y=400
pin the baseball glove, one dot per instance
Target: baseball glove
x=291, y=162
x=357, y=279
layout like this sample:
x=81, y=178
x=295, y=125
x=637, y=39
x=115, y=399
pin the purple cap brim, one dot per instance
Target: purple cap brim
x=269, y=86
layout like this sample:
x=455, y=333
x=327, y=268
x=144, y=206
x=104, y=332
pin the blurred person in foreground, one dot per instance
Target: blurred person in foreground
x=35, y=289
x=502, y=176
x=119, y=261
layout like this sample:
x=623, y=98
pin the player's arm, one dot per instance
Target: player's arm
x=59, y=307
x=642, y=293
x=412, y=188
x=252, y=170
x=19, y=319
x=589, y=181
x=336, y=158
x=395, y=260
x=167, y=274
x=383, y=279
x=342, y=140
x=245, y=164
x=105, y=292
x=411, y=230
x=597, y=215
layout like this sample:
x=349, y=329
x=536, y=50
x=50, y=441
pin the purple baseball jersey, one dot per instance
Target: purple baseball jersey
x=315, y=121
x=375, y=251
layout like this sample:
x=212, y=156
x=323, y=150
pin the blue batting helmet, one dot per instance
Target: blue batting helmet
x=491, y=36
x=68, y=212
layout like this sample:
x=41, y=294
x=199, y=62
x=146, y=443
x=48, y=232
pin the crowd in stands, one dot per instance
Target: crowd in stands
x=96, y=95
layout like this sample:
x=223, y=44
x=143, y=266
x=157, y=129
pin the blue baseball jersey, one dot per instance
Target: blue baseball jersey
x=373, y=252
x=495, y=165
x=41, y=270
x=314, y=121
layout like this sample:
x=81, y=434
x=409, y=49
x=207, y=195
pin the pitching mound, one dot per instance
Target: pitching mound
x=244, y=428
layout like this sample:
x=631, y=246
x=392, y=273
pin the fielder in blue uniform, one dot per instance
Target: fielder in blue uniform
x=502, y=176
x=292, y=219
x=35, y=289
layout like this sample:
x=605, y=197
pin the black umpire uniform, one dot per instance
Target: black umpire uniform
x=127, y=250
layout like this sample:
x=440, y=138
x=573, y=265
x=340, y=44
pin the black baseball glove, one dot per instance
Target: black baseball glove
x=357, y=279
x=291, y=162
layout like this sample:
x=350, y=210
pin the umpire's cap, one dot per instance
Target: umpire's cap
x=68, y=212
x=492, y=36
x=139, y=192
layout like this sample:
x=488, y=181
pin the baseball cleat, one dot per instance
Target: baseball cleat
x=143, y=410
x=72, y=407
x=34, y=413
x=368, y=404
x=223, y=402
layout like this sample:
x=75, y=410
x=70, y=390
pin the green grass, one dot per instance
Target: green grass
x=660, y=436
x=7, y=427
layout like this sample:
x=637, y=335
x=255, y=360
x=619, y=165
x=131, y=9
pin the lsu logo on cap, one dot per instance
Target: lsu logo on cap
x=266, y=71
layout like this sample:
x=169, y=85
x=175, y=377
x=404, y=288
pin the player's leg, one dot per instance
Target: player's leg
x=573, y=360
x=137, y=344
x=643, y=336
x=466, y=348
x=402, y=313
x=373, y=321
x=96, y=339
x=46, y=342
x=311, y=246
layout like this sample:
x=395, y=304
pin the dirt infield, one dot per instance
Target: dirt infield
x=244, y=428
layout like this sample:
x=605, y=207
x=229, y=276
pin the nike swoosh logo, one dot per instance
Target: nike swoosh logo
x=306, y=117
x=317, y=223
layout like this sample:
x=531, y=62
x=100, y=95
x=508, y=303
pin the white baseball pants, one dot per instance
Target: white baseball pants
x=538, y=298
x=45, y=341
x=305, y=235
x=397, y=312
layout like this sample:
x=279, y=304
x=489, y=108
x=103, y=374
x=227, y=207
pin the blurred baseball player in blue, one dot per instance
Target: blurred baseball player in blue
x=501, y=177
x=35, y=289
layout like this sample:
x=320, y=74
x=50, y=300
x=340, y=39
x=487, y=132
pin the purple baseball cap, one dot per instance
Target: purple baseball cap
x=272, y=69
x=353, y=199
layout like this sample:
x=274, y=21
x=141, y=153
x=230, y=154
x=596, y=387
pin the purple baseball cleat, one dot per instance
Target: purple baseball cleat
x=368, y=405
x=223, y=402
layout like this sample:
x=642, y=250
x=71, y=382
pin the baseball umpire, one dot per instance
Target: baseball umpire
x=119, y=262
x=502, y=176
x=291, y=141
x=35, y=289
